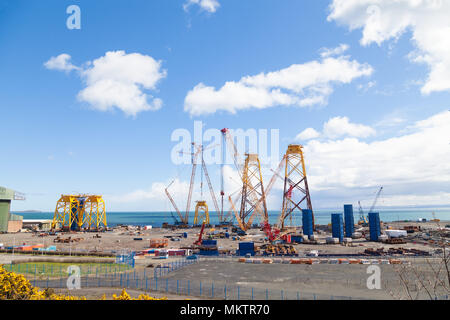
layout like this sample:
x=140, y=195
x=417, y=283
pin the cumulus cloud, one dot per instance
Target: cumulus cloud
x=117, y=80
x=307, y=134
x=60, y=63
x=383, y=20
x=341, y=126
x=337, y=127
x=299, y=85
x=207, y=5
x=411, y=165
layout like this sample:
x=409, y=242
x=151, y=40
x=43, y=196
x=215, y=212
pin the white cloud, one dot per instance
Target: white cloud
x=413, y=164
x=335, y=128
x=60, y=63
x=341, y=126
x=367, y=86
x=327, y=52
x=117, y=80
x=300, y=85
x=308, y=134
x=207, y=5
x=383, y=20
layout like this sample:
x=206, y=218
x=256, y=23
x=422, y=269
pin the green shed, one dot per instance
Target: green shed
x=6, y=196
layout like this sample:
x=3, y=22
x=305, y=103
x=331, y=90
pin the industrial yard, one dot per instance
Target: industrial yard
x=247, y=259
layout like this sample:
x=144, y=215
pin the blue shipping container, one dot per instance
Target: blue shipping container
x=349, y=220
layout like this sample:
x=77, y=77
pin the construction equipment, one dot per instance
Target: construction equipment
x=362, y=218
x=222, y=184
x=177, y=222
x=294, y=179
x=272, y=234
x=376, y=199
x=201, y=206
x=201, y=213
x=199, y=240
x=74, y=212
x=191, y=184
x=213, y=196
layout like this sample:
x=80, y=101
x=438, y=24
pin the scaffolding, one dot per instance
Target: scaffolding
x=75, y=212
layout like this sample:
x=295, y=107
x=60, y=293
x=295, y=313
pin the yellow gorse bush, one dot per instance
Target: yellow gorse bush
x=16, y=287
x=125, y=296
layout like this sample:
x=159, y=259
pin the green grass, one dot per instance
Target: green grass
x=56, y=269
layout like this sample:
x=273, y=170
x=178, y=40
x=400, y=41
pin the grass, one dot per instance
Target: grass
x=56, y=269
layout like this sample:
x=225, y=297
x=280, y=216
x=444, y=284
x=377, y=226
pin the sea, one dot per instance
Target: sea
x=323, y=217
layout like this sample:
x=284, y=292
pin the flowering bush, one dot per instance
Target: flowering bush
x=125, y=296
x=16, y=287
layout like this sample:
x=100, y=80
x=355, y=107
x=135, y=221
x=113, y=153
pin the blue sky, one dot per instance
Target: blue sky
x=54, y=142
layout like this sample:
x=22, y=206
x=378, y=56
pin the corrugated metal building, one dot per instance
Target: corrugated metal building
x=9, y=222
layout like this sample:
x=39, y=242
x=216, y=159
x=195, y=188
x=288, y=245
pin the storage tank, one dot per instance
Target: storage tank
x=337, y=226
x=349, y=220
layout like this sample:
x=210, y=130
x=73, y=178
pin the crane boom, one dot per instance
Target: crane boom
x=173, y=203
x=375, y=200
x=211, y=190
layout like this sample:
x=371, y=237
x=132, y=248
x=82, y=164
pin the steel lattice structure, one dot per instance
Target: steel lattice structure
x=201, y=213
x=75, y=212
x=253, y=194
x=296, y=190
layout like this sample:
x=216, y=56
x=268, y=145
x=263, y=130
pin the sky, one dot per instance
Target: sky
x=92, y=92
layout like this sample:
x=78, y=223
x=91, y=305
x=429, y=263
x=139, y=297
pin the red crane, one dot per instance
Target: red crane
x=199, y=241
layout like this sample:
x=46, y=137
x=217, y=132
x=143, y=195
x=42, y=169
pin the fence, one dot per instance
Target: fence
x=208, y=290
x=123, y=276
x=52, y=270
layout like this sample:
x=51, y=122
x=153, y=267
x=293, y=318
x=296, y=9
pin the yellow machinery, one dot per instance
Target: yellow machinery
x=296, y=190
x=75, y=212
x=201, y=213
